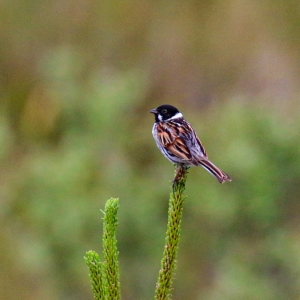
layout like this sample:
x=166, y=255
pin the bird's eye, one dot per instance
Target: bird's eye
x=164, y=111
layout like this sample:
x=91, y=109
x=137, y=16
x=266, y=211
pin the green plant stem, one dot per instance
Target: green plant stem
x=168, y=263
x=96, y=274
x=110, y=251
x=105, y=276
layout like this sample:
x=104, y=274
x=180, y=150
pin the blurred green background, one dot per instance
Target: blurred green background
x=77, y=81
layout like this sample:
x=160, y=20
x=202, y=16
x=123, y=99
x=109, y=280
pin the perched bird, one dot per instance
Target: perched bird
x=178, y=141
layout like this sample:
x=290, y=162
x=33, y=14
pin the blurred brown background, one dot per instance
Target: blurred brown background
x=77, y=81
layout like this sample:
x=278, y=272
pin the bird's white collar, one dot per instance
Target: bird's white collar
x=177, y=116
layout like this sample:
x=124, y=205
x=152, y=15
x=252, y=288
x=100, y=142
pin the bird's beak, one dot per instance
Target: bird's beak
x=154, y=111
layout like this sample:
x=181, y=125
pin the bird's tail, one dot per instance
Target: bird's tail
x=211, y=168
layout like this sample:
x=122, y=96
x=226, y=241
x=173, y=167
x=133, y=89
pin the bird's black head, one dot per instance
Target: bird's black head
x=165, y=112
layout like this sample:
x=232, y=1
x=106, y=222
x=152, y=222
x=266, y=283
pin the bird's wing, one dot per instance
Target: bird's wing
x=201, y=146
x=179, y=140
x=174, y=142
x=179, y=149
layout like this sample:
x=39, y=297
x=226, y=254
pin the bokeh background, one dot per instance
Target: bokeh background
x=77, y=81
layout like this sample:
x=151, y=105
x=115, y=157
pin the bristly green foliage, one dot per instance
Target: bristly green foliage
x=96, y=274
x=105, y=276
x=168, y=263
x=111, y=266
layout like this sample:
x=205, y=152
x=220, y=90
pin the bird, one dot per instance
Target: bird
x=179, y=143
